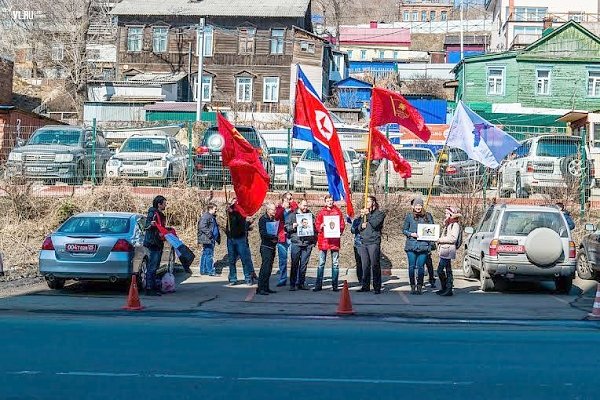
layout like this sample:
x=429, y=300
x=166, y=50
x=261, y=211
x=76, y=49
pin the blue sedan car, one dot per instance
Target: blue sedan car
x=97, y=246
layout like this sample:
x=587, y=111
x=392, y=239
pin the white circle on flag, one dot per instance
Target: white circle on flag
x=216, y=142
x=324, y=124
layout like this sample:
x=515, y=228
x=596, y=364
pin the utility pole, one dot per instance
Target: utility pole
x=200, y=68
x=462, y=33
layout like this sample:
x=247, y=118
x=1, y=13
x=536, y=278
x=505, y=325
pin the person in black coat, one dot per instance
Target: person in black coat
x=154, y=243
x=268, y=246
x=370, y=250
x=300, y=248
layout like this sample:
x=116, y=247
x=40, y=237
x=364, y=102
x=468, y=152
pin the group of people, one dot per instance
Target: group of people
x=291, y=230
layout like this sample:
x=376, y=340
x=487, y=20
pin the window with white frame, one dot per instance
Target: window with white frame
x=206, y=87
x=271, y=89
x=243, y=89
x=160, y=36
x=423, y=16
x=530, y=13
x=406, y=16
x=576, y=16
x=432, y=15
x=350, y=52
x=307, y=47
x=528, y=30
x=134, y=38
x=396, y=54
x=495, y=80
x=277, y=36
x=415, y=16
x=596, y=135
x=543, y=82
x=443, y=15
x=208, y=41
x=594, y=83
x=246, y=40
x=363, y=54
x=58, y=52
x=381, y=53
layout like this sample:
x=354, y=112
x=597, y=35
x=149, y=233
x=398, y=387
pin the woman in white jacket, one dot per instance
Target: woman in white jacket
x=447, y=249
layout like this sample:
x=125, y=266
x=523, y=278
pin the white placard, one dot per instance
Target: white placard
x=428, y=232
x=305, y=225
x=331, y=230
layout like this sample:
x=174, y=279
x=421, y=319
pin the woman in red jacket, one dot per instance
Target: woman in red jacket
x=331, y=244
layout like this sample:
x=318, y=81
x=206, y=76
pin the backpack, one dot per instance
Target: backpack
x=459, y=239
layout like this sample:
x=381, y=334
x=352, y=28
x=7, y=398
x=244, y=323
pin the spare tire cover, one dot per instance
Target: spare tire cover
x=543, y=246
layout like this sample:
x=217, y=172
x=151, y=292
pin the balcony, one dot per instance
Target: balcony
x=523, y=40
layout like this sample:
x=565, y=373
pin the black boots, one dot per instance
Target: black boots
x=446, y=292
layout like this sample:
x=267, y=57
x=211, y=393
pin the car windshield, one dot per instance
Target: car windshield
x=95, y=225
x=557, y=147
x=145, y=145
x=521, y=223
x=416, y=155
x=310, y=155
x=280, y=160
x=66, y=137
x=248, y=133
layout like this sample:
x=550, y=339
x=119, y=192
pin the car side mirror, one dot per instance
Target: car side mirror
x=590, y=227
x=469, y=230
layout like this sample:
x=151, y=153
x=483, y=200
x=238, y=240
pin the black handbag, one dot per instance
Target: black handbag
x=186, y=256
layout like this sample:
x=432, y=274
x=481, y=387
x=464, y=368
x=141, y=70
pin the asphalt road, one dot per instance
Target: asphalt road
x=135, y=357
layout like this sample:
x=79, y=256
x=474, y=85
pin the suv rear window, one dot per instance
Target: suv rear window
x=557, y=147
x=248, y=133
x=145, y=145
x=521, y=223
x=416, y=155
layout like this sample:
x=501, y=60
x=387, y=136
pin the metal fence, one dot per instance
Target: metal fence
x=551, y=165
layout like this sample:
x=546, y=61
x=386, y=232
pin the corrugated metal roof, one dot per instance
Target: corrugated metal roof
x=172, y=106
x=208, y=8
x=152, y=77
x=355, y=35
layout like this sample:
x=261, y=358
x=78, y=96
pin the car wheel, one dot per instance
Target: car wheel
x=584, y=271
x=564, y=284
x=486, y=282
x=141, y=274
x=56, y=283
x=467, y=270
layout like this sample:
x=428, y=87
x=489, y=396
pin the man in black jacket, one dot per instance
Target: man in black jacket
x=301, y=247
x=370, y=251
x=237, y=244
x=154, y=243
x=267, y=227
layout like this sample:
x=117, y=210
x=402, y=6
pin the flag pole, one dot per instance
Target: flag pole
x=369, y=155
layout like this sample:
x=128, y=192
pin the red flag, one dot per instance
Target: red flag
x=382, y=148
x=248, y=175
x=391, y=107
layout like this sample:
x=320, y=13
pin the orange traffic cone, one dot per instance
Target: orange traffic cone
x=133, y=300
x=345, y=306
x=595, y=314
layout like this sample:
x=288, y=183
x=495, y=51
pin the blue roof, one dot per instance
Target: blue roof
x=353, y=83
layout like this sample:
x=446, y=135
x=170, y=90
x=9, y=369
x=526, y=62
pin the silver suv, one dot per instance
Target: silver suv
x=548, y=161
x=520, y=243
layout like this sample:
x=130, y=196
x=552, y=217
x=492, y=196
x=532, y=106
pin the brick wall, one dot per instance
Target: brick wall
x=6, y=78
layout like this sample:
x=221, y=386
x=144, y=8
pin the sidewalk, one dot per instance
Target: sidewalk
x=213, y=294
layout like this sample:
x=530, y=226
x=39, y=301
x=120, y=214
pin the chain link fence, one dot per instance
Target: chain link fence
x=61, y=158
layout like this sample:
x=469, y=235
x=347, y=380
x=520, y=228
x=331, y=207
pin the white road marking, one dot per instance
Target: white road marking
x=186, y=376
x=24, y=373
x=561, y=300
x=342, y=380
x=83, y=373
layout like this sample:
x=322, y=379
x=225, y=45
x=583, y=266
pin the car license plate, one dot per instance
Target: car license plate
x=136, y=171
x=36, y=169
x=511, y=248
x=81, y=248
x=319, y=180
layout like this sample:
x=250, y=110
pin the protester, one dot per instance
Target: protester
x=370, y=249
x=567, y=214
x=154, y=243
x=237, y=245
x=300, y=248
x=268, y=244
x=355, y=229
x=447, y=249
x=208, y=235
x=416, y=250
x=328, y=244
x=284, y=209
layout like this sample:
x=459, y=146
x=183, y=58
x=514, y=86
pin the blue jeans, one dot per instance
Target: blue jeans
x=445, y=272
x=416, y=260
x=206, y=260
x=154, y=257
x=238, y=248
x=282, y=251
x=335, y=268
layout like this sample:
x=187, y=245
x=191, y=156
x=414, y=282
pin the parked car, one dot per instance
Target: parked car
x=282, y=166
x=310, y=171
x=588, y=254
x=152, y=157
x=208, y=163
x=60, y=153
x=97, y=246
x=422, y=162
x=357, y=165
x=520, y=243
x=544, y=162
x=459, y=173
